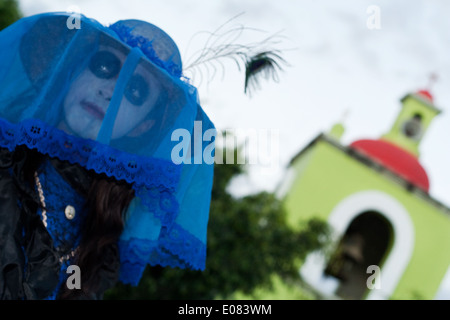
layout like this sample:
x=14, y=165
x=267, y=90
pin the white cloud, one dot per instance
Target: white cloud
x=338, y=64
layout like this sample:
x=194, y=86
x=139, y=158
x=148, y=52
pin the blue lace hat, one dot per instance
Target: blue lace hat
x=114, y=100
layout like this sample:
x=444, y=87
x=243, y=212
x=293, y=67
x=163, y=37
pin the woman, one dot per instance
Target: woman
x=86, y=169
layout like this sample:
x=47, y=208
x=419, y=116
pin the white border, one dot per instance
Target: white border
x=399, y=256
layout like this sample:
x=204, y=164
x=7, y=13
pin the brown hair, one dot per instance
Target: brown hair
x=106, y=202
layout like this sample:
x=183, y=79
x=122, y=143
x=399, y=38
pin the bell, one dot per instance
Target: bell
x=352, y=248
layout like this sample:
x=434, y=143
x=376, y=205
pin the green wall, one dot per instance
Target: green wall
x=327, y=175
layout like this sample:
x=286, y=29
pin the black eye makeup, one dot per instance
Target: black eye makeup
x=137, y=90
x=105, y=65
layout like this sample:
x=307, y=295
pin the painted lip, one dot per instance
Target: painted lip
x=93, y=109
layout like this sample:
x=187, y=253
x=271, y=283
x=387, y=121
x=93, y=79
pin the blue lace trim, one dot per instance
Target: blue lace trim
x=154, y=181
x=125, y=34
x=150, y=177
x=177, y=248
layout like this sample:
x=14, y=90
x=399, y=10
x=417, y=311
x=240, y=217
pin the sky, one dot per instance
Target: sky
x=350, y=61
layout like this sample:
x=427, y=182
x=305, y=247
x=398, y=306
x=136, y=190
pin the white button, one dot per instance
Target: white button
x=70, y=212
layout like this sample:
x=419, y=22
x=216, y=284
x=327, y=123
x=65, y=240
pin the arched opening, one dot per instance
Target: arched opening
x=412, y=128
x=396, y=258
x=366, y=241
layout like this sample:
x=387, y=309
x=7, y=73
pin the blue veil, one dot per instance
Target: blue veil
x=114, y=100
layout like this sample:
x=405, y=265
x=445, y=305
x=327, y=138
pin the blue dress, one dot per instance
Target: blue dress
x=42, y=67
x=64, y=229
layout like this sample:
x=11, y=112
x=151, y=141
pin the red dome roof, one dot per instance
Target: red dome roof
x=396, y=159
x=425, y=94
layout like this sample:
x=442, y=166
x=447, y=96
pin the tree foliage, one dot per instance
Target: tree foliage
x=248, y=241
x=9, y=13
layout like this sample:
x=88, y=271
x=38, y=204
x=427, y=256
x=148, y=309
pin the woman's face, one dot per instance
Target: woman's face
x=89, y=96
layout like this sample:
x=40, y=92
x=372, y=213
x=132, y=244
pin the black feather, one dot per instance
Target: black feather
x=259, y=58
x=263, y=64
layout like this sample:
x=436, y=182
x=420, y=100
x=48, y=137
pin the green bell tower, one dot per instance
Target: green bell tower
x=391, y=237
x=412, y=122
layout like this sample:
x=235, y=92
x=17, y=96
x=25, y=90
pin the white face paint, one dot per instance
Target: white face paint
x=88, y=98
